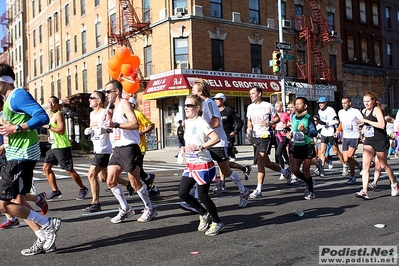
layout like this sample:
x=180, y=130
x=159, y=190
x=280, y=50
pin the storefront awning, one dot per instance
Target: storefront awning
x=312, y=91
x=178, y=82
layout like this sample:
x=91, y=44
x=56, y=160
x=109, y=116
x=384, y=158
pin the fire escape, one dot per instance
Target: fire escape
x=6, y=41
x=126, y=25
x=316, y=69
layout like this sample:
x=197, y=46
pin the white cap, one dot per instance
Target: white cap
x=219, y=96
x=133, y=101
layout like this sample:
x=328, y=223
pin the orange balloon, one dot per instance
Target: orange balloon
x=122, y=54
x=114, y=74
x=134, y=60
x=114, y=64
x=127, y=70
x=131, y=86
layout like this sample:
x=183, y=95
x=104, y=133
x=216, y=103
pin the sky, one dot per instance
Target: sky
x=2, y=29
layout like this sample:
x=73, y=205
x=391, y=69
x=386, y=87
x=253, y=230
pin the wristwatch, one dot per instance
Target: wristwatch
x=48, y=126
x=18, y=128
x=200, y=148
x=116, y=125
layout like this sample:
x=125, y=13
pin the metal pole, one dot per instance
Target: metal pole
x=280, y=38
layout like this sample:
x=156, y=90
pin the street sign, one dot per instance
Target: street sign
x=289, y=57
x=283, y=46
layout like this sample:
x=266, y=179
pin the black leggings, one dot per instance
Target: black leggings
x=186, y=184
x=281, y=151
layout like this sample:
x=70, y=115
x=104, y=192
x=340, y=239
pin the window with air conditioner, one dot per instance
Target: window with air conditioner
x=184, y=65
x=180, y=10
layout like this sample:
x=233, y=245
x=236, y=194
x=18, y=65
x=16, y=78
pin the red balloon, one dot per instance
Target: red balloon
x=122, y=54
x=127, y=70
x=131, y=86
x=114, y=74
x=114, y=64
x=134, y=60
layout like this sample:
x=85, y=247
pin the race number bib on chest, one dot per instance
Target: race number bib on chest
x=299, y=137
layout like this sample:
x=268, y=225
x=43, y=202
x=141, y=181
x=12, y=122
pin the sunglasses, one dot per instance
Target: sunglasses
x=91, y=98
x=189, y=105
x=109, y=91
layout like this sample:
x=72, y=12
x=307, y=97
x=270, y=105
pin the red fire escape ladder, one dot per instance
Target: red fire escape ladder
x=324, y=71
x=320, y=21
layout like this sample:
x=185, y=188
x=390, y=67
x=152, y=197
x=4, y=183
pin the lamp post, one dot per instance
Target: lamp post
x=280, y=38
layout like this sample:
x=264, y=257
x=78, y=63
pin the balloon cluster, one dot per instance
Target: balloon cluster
x=123, y=67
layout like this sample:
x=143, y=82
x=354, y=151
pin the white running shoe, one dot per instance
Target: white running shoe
x=147, y=216
x=122, y=215
x=255, y=194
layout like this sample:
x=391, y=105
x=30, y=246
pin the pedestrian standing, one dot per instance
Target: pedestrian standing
x=261, y=116
x=375, y=143
x=180, y=135
x=22, y=115
x=102, y=148
x=200, y=168
x=126, y=155
x=60, y=152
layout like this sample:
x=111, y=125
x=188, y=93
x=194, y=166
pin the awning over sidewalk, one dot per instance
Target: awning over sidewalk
x=312, y=91
x=178, y=82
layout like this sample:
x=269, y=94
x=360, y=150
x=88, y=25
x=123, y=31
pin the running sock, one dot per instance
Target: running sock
x=308, y=181
x=237, y=181
x=283, y=171
x=40, y=234
x=120, y=197
x=259, y=187
x=37, y=218
x=143, y=194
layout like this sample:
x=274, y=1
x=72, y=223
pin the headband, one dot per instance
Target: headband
x=7, y=79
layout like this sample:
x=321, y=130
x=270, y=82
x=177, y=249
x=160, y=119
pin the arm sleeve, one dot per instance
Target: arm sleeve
x=239, y=122
x=312, y=131
x=38, y=118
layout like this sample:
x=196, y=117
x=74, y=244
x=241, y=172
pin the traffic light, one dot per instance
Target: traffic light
x=276, y=62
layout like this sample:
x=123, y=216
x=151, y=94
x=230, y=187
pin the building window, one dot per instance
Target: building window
x=216, y=8
x=51, y=58
x=98, y=34
x=41, y=64
x=19, y=54
x=82, y=7
x=68, y=50
x=50, y=26
x=388, y=17
x=40, y=34
x=69, y=91
x=254, y=11
x=19, y=29
x=146, y=11
x=34, y=38
x=84, y=48
x=365, y=57
x=35, y=92
x=389, y=54
x=376, y=19
x=34, y=67
x=99, y=76
x=256, y=58
x=283, y=10
x=180, y=50
x=52, y=86
x=179, y=3
x=59, y=88
x=351, y=48
x=84, y=79
x=349, y=10
x=56, y=21
x=33, y=9
x=58, y=56
x=76, y=82
x=330, y=21
x=66, y=14
x=39, y=8
x=75, y=43
x=74, y=7
x=362, y=11
x=147, y=61
x=96, y=2
x=217, y=55
x=377, y=53
x=41, y=95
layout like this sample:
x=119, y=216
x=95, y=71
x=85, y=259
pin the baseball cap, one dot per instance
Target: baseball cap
x=132, y=100
x=219, y=96
x=322, y=100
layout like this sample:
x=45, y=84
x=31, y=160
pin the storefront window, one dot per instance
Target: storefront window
x=171, y=116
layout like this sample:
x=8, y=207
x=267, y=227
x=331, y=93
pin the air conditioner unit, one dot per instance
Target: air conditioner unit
x=334, y=34
x=286, y=24
x=270, y=23
x=179, y=11
x=184, y=65
x=256, y=70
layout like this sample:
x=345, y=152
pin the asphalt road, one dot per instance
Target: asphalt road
x=266, y=232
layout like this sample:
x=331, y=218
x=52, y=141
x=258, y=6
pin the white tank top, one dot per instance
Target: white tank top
x=123, y=137
x=99, y=137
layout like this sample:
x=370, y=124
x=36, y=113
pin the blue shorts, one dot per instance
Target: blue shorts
x=202, y=173
x=346, y=143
